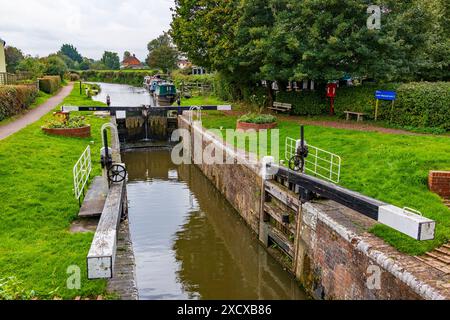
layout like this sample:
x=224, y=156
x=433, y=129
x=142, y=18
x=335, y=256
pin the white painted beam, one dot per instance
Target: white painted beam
x=407, y=222
x=102, y=255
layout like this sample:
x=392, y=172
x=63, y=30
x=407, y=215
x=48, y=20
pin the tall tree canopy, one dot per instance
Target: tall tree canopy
x=71, y=52
x=111, y=60
x=314, y=39
x=162, y=53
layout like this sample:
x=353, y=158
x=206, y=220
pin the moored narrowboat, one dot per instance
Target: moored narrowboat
x=165, y=93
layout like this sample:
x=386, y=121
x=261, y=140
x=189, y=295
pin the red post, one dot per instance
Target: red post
x=332, y=106
x=331, y=93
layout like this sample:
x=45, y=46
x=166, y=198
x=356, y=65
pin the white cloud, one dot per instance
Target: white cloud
x=40, y=27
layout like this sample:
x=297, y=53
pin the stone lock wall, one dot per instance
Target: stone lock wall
x=334, y=255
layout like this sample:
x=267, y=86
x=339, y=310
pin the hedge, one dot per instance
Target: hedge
x=305, y=103
x=132, y=78
x=362, y=99
x=15, y=99
x=423, y=105
x=50, y=84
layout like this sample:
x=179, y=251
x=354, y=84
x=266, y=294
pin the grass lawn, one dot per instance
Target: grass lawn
x=390, y=167
x=38, y=207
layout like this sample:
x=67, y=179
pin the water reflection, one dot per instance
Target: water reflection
x=123, y=95
x=190, y=243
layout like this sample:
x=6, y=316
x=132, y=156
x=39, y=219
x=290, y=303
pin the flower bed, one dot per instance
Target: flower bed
x=257, y=122
x=68, y=127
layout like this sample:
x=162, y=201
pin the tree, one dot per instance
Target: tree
x=126, y=55
x=162, y=53
x=86, y=64
x=205, y=31
x=55, y=66
x=32, y=65
x=13, y=57
x=111, y=60
x=71, y=52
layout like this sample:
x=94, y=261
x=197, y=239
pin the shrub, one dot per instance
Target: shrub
x=423, y=105
x=258, y=118
x=15, y=99
x=74, y=77
x=362, y=99
x=50, y=84
x=71, y=123
x=304, y=103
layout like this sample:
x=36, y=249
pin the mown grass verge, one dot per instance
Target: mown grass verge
x=390, y=167
x=38, y=207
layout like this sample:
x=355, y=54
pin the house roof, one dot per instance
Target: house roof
x=131, y=61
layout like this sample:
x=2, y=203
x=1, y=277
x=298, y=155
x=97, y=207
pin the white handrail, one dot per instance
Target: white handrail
x=82, y=172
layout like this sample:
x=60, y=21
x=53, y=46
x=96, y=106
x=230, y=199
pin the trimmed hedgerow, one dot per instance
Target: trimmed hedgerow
x=15, y=99
x=362, y=99
x=132, y=78
x=304, y=103
x=50, y=84
x=423, y=105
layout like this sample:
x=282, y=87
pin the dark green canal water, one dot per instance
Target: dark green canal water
x=189, y=242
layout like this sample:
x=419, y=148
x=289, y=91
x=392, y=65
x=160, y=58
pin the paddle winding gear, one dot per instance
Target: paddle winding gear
x=117, y=173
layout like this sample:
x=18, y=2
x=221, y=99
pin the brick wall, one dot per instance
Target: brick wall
x=439, y=182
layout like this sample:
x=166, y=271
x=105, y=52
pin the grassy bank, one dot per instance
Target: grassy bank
x=389, y=167
x=38, y=207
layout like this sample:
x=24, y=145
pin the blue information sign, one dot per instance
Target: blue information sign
x=386, y=95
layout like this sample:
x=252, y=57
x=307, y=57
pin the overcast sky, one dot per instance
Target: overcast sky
x=40, y=27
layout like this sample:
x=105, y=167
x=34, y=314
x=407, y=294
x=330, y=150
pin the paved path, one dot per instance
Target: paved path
x=35, y=114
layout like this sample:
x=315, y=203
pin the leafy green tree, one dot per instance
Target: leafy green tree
x=111, y=60
x=13, y=57
x=126, y=55
x=86, y=64
x=162, y=53
x=32, y=65
x=71, y=52
x=55, y=66
x=205, y=30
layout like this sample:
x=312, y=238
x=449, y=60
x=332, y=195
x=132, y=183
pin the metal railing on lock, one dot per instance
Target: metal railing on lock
x=319, y=162
x=81, y=173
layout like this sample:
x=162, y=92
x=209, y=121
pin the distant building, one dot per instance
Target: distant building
x=2, y=56
x=131, y=63
x=184, y=64
x=196, y=70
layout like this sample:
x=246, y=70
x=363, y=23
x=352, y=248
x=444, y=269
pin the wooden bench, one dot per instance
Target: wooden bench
x=281, y=107
x=360, y=115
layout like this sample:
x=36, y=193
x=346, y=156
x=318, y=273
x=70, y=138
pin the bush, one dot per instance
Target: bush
x=15, y=99
x=71, y=123
x=258, y=118
x=132, y=78
x=74, y=77
x=50, y=84
x=304, y=103
x=362, y=99
x=423, y=105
